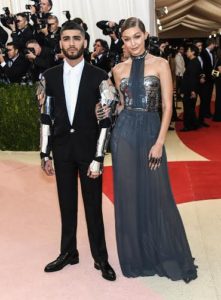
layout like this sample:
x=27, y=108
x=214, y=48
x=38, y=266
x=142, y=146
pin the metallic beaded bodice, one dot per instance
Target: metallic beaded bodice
x=152, y=100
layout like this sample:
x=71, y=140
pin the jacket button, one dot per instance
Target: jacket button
x=71, y=130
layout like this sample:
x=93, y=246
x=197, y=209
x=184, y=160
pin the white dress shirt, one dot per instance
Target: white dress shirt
x=211, y=56
x=201, y=61
x=179, y=65
x=10, y=62
x=71, y=78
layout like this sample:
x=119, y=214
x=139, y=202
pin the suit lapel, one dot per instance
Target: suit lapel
x=81, y=89
x=60, y=86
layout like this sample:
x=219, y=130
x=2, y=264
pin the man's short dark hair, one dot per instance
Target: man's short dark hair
x=210, y=42
x=72, y=26
x=13, y=45
x=197, y=41
x=23, y=15
x=193, y=48
x=31, y=42
x=103, y=43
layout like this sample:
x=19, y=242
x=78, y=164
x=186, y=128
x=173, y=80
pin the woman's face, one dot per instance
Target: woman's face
x=134, y=40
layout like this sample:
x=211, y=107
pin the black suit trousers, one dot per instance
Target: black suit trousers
x=189, y=116
x=69, y=164
x=206, y=91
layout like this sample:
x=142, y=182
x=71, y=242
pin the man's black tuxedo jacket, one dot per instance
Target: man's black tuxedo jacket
x=18, y=69
x=207, y=65
x=85, y=124
x=20, y=38
x=191, y=77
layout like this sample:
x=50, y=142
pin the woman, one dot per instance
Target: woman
x=150, y=235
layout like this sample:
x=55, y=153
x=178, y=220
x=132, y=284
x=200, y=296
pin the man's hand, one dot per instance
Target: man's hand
x=95, y=169
x=12, y=26
x=47, y=167
x=1, y=58
x=30, y=56
x=44, y=31
x=33, y=10
x=193, y=95
x=202, y=80
x=111, y=24
x=113, y=36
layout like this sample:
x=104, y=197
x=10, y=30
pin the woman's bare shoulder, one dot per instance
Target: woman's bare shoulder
x=119, y=68
x=157, y=60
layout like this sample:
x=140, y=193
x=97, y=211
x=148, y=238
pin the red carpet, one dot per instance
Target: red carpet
x=190, y=181
x=204, y=141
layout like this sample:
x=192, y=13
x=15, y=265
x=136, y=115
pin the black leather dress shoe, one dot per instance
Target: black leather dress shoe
x=184, y=129
x=61, y=262
x=106, y=270
x=203, y=124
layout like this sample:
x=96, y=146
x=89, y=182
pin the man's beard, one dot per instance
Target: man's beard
x=73, y=56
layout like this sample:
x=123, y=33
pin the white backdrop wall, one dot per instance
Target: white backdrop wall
x=92, y=11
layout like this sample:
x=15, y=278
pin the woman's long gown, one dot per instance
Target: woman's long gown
x=150, y=235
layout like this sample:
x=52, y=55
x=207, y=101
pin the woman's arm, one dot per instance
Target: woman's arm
x=167, y=96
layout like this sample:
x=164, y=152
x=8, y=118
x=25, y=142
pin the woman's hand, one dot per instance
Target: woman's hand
x=102, y=112
x=155, y=156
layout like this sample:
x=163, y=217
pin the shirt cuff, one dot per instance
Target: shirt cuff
x=3, y=64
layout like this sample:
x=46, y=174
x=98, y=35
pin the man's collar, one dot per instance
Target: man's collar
x=77, y=68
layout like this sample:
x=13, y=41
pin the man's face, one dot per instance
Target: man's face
x=44, y=6
x=98, y=48
x=212, y=47
x=12, y=52
x=199, y=45
x=181, y=50
x=21, y=22
x=52, y=25
x=72, y=44
x=36, y=47
x=162, y=47
x=189, y=53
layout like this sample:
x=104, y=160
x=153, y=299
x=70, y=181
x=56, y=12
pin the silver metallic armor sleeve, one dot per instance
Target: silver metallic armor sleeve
x=109, y=98
x=46, y=127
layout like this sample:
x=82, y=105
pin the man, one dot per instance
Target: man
x=202, y=88
x=112, y=29
x=179, y=70
x=40, y=13
x=14, y=66
x=21, y=31
x=74, y=88
x=190, y=89
x=49, y=36
x=41, y=58
x=208, y=64
x=99, y=57
x=162, y=47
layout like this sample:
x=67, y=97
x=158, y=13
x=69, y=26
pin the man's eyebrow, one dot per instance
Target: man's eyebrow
x=72, y=36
